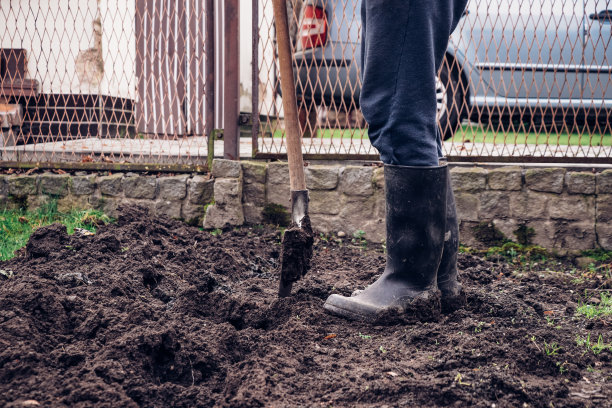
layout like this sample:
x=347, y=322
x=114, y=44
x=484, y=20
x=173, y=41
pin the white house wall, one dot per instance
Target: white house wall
x=57, y=34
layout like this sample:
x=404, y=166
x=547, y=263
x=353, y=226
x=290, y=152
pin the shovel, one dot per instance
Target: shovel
x=298, y=239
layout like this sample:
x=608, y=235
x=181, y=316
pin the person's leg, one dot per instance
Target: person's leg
x=403, y=45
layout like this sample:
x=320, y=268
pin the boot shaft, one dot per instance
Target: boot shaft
x=416, y=221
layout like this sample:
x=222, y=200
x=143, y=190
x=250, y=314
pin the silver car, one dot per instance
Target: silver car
x=540, y=62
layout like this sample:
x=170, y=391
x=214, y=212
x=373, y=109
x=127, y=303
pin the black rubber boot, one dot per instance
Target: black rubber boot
x=453, y=297
x=416, y=215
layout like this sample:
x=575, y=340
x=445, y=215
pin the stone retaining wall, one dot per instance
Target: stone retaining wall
x=562, y=208
x=181, y=197
x=559, y=208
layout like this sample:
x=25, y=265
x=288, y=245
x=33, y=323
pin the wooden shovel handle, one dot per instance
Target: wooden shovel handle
x=297, y=180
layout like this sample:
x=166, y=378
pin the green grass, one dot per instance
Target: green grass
x=604, y=308
x=595, y=348
x=16, y=226
x=477, y=134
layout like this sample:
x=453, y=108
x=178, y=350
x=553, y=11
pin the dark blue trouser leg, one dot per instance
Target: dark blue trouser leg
x=403, y=45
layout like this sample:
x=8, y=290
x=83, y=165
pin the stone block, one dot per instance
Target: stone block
x=73, y=202
x=548, y=180
x=494, y=204
x=574, y=235
x=466, y=234
x=34, y=202
x=110, y=185
x=201, y=190
x=604, y=209
x=140, y=187
x=223, y=216
x=357, y=215
x=468, y=178
x=228, y=191
x=573, y=207
x=4, y=202
x=278, y=173
x=325, y=202
x=324, y=223
x=252, y=213
x=544, y=233
x=22, y=186
x=167, y=208
x=604, y=236
x=505, y=178
x=356, y=181
x=321, y=177
x=4, y=190
x=254, y=193
x=468, y=206
x=54, y=184
x=506, y=227
x=83, y=185
x=172, y=188
x=226, y=168
x=580, y=182
x=108, y=205
x=529, y=205
x=192, y=213
x=254, y=172
x=378, y=178
x=278, y=193
x=604, y=182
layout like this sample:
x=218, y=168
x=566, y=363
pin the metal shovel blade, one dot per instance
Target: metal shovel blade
x=297, y=244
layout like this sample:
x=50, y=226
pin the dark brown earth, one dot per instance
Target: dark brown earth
x=150, y=312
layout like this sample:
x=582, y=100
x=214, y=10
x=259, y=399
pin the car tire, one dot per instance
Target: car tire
x=450, y=100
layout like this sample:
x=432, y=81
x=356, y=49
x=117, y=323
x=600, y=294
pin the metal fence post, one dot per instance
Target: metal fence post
x=231, y=145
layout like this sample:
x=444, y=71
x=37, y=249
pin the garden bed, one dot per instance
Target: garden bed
x=151, y=312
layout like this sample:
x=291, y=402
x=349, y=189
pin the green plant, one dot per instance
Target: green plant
x=16, y=226
x=551, y=349
x=216, y=232
x=365, y=336
x=590, y=311
x=478, y=328
x=358, y=238
x=595, y=348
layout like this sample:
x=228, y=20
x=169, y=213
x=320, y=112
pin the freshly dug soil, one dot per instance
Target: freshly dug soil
x=150, y=312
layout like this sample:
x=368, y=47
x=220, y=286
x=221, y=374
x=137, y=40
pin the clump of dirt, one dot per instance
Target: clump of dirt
x=151, y=312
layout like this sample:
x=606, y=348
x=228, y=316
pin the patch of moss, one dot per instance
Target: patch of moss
x=276, y=214
x=524, y=235
x=488, y=234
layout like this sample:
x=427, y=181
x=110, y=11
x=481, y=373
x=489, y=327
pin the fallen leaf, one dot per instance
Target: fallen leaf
x=548, y=312
x=392, y=374
x=23, y=220
x=330, y=336
x=87, y=159
x=31, y=171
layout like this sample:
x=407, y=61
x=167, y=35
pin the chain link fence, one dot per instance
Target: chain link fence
x=106, y=81
x=523, y=80
x=110, y=83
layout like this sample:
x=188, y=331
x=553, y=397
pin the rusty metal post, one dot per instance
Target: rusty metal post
x=209, y=88
x=255, y=80
x=231, y=135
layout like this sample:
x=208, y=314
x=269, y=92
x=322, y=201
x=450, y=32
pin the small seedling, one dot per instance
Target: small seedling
x=595, y=348
x=216, y=232
x=604, y=308
x=562, y=367
x=358, y=238
x=478, y=328
x=365, y=336
x=552, y=349
x=382, y=350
